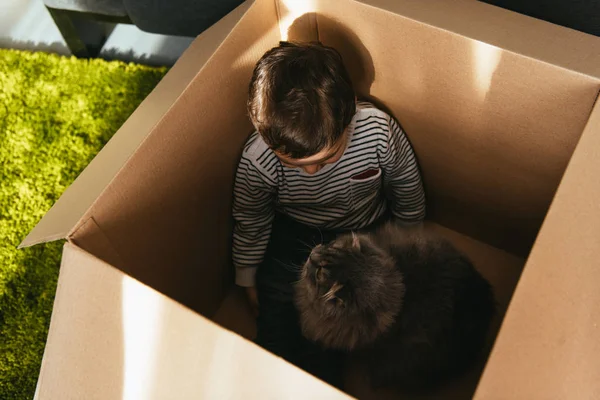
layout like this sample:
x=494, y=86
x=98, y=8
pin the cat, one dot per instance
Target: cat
x=405, y=301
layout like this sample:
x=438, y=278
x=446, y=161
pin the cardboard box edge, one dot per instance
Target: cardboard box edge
x=556, y=209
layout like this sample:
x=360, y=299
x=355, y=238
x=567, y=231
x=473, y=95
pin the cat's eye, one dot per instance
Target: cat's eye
x=319, y=274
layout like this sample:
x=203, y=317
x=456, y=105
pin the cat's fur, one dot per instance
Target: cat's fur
x=404, y=299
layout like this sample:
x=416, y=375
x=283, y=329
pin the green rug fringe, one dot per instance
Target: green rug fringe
x=56, y=113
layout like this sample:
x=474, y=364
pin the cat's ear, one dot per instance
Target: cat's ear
x=355, y=241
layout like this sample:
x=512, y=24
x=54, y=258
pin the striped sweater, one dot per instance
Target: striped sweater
x=337, y=196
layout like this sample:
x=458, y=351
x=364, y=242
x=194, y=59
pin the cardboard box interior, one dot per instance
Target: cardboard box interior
x=494, y=104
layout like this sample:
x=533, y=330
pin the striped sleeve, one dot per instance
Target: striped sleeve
x=253, y=212
x=402, y=178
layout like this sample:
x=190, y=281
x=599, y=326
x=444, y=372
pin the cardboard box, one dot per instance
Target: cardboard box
x=501, y=111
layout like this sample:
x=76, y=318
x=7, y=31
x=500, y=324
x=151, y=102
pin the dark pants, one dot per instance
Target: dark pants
x=278, y=328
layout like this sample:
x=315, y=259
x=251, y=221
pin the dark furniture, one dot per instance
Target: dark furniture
x=167, y=17
x=581, y=15
x=192, y=17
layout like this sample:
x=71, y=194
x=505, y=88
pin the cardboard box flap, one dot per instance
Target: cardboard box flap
x=504, y=29
x=549, y=347
x=66, y=213
x=115, y=338
x=493, y=130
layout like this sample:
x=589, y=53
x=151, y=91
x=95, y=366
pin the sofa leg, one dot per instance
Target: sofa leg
x=69, y=32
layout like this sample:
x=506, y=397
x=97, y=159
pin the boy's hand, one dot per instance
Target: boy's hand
x=253, y=299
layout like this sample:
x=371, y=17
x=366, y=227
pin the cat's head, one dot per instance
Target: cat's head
x=350, y=291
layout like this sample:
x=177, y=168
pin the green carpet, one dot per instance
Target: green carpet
x=56, y=113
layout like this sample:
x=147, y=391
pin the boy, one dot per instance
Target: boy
x=320, y=163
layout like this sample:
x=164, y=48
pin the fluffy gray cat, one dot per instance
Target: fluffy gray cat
x=406, y=301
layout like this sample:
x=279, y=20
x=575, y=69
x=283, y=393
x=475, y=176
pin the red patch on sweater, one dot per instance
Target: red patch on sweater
x=365, y=175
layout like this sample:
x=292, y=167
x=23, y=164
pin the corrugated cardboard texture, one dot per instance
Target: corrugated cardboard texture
x=493, y=130
x=508, y=30
x=96, y=242
x=549, y=344
x=167, y=213
x=289, y=12
x=122, y=340
x=82, y=193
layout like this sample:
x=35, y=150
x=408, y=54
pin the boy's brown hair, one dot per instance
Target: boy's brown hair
x=301, y=98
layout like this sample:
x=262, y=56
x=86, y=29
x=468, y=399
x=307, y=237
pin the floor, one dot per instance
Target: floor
x=27, y=25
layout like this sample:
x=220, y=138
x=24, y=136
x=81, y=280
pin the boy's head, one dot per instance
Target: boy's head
x=301, y=100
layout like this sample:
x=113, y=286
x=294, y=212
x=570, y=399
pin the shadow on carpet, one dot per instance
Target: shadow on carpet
x=56, y=113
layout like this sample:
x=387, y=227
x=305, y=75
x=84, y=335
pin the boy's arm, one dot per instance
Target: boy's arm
x=253, y=212
x=402, y=179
